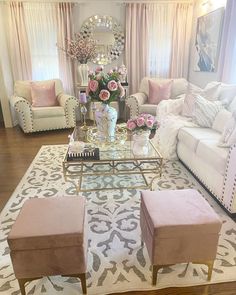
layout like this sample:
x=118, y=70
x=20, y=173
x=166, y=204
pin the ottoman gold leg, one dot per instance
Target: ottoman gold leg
x=210, y=265
x=82, y=277
x=22, y=283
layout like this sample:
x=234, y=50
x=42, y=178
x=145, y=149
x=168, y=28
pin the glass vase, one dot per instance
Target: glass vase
x=141, y=142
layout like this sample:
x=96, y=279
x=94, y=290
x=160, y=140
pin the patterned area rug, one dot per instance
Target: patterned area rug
x=116, y=261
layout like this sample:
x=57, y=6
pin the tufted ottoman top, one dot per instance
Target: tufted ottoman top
x=48, y=223
x=175, y=213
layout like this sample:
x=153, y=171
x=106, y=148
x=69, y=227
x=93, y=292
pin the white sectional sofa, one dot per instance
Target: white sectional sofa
x=198, y=148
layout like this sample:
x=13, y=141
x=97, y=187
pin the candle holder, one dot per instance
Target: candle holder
x=93, y=107
x=84, y=111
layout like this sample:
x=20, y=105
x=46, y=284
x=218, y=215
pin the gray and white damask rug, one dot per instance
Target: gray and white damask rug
x=116, y=260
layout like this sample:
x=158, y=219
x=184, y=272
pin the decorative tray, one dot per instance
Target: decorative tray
x=119, y=139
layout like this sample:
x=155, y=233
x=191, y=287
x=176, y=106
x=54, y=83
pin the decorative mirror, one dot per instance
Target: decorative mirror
x=109, y=36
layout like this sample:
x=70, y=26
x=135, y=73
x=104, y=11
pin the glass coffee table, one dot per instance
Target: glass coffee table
x=116, y=159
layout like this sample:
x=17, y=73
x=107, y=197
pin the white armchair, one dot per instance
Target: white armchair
x=138, y=102
x=33, y=119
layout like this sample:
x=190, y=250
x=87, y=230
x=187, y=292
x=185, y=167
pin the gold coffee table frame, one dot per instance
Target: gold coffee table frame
x=118, y=160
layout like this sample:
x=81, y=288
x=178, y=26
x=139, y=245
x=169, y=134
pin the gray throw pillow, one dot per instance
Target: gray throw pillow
x=205, y=111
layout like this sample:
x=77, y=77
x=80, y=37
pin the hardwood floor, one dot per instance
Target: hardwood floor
x=17, y=151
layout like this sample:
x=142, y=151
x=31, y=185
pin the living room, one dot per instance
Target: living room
x=142, y=98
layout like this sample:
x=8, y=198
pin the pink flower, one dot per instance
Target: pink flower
x=93, y=85
x=112, y=85
x=131, y=125
x=110, y=72
x=140, y=121
x=104, y=95
x=99, y=69
x=149, y=123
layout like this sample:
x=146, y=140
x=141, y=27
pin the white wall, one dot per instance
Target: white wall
x=202, y=78
x=88, y=9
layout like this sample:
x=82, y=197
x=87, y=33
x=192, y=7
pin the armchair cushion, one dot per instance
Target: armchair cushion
x=159, y=91
x=48, y=112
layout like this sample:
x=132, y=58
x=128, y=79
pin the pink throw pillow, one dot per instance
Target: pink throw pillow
x=43, y=94
x=159, y=91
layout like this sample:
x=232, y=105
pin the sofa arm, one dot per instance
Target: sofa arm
x=134, y=102
x=170, y=106
x=70, y=104
x=229, y=187
x=23, y=111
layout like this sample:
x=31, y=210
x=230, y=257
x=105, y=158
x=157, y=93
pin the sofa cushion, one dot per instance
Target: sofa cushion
x=48, y=112
x=159, y=91
x=191, y=136
x=228, y=136
x=215, y=156
x=221, y=120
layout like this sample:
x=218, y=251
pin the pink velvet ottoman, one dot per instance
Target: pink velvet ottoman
x=48, y=239
x=178, y=226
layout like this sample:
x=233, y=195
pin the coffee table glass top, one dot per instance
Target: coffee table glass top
x=122, y=149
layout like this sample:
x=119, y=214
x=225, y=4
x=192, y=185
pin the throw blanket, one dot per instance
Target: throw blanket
x=166, y=136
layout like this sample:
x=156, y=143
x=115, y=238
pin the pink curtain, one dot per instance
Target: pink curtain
x=64, y=31
x=228, y=48
x=18, y=42
x=182, y=27
x=136, y=45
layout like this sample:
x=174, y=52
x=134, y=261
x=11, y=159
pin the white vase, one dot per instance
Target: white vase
x=141, y=142
x=83, y=74
x=106, y=118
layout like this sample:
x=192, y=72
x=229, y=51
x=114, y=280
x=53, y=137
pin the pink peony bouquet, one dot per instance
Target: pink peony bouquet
x=142, y=122
x=104, y=87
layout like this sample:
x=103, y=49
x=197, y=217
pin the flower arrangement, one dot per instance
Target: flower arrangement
x=83, y=49
x=104, y=87
x=142, y=123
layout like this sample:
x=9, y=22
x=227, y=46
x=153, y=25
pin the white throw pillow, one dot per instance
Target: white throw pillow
x=228, y=136
x=232, y=106
x=221, y=120
x=211, y=91
x=205, y=111
x=226, y=93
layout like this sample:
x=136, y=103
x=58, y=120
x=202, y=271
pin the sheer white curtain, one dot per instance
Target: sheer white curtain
x=136, y=45
x=18, y=42
x=229, y=44
x=64, y=31
x=41, y=24
x=169, y=34
x=160, y=38
x=182, y=28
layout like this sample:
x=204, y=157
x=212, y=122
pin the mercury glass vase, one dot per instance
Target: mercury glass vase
x=106, y=118
x=141, y=142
